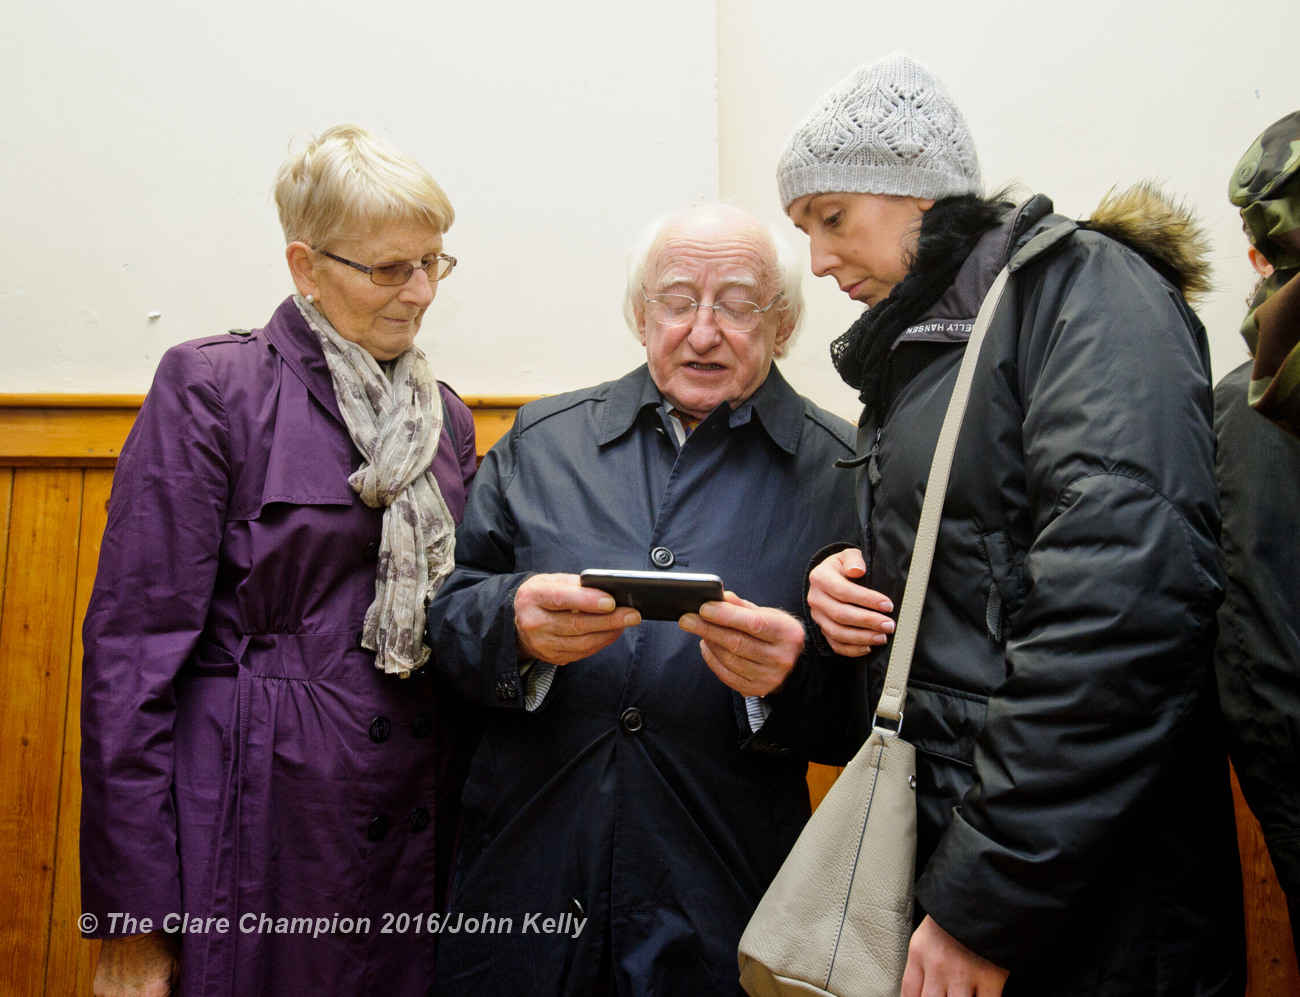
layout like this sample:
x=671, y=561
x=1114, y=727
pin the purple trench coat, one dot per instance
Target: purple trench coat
x=242, y=758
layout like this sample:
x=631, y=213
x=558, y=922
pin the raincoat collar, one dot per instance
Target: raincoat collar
x=775, y=405
x=291, y=337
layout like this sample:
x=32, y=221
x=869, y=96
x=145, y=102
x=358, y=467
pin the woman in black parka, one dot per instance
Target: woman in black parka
x=1075, y=825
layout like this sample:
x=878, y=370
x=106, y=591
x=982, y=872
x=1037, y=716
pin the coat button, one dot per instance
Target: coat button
x=576, y=908
x=631, y=720
x=372, y=551
x=662, y=557
x=378, y=827
x=417, y=819
x=507, y=689
x=380, y=728
x=422, y=725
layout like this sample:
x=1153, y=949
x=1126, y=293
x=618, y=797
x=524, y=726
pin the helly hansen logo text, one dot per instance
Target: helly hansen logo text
x=952, y=330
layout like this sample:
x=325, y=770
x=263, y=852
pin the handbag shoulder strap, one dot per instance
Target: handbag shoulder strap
x=890, y=707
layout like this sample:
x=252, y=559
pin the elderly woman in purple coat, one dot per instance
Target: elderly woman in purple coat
x=270, y=780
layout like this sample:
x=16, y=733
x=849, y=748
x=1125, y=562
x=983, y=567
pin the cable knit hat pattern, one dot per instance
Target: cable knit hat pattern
x=888, y=128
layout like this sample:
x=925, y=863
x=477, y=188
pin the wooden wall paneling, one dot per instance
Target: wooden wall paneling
x=6, y=491
x=40, y=579
x=88, y=431
x=493, y=417
x=71, y=963
x=1271, y=969
x=68, y=431
x=820, y=780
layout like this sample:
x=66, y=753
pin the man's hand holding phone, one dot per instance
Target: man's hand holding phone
x=557, y=620
x=751, y=648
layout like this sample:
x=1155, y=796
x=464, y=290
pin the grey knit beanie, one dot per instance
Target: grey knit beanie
x=888, y=128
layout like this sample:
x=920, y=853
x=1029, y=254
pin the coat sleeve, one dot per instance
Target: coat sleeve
x=1108, y=656
x=471, y=621
x=809, y=716
x=157, y=568
x=812, y=712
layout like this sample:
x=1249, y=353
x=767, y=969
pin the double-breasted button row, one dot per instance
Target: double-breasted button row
x=381, y=728
x=631, y=720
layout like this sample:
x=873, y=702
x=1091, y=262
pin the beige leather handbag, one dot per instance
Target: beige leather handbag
x=837, y=919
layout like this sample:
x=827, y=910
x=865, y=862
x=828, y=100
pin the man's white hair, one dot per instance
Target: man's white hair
x=784, y=276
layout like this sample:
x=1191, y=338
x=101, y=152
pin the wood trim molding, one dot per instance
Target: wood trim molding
x=58, y=430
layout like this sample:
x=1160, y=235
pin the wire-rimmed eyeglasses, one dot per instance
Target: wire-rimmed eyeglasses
x=396, y=274
x=733, y=314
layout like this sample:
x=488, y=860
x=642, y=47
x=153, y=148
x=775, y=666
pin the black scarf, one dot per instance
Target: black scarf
x=949, y=231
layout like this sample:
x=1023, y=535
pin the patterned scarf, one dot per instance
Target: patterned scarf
x=395, y=420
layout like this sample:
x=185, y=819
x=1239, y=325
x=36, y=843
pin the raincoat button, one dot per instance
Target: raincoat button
x=372, y=551
x=507, y=689
x=418, y=819
x=422, y=725
x=662, y=557
x=631, y=720
x=380, y=728
x=576, y=908
x=378, y=827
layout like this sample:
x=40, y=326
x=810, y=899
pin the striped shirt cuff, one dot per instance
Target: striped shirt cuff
x=537, y=676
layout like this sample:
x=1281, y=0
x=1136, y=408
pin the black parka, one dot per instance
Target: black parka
x=1075, y=821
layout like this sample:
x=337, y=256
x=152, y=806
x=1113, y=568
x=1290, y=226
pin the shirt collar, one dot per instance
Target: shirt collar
x=775, y=405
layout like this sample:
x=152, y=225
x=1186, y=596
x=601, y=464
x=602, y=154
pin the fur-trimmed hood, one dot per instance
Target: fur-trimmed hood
x=1163, y=231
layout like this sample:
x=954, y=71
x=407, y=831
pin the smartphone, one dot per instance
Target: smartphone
x=657, y=595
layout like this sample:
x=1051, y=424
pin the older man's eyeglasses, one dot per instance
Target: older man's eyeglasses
x=396, y=274
x=732, y=314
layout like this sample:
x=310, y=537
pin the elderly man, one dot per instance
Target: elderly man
x=639, y=783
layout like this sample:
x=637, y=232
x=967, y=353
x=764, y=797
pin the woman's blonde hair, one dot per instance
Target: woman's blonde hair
x=347, y=180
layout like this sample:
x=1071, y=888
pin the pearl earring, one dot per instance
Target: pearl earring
x=310, y=298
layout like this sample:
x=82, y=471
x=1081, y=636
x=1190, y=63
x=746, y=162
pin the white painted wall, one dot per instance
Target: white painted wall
x=138, y=142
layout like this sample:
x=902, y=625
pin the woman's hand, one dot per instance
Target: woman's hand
x=137, y=966
x=939, y=965
x=750, y=648
x=557, y=620
x=851, y=616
